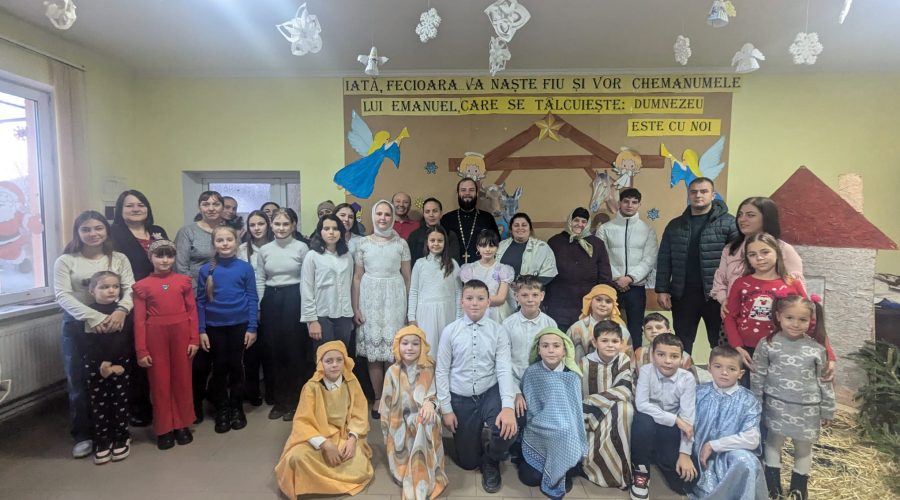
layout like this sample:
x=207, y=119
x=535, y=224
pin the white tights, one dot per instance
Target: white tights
x=802, y=453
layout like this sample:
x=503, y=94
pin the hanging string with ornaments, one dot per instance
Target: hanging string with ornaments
x=806, y=47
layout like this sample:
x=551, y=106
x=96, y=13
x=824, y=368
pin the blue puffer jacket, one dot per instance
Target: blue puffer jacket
x=671, y=262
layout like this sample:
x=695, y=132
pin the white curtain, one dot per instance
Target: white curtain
x=74, y=170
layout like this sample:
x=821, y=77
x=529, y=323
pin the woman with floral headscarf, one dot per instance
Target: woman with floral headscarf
x=581, y=261
x=327, y=452
x=410, y=419
x=597, y=305
x=554, y=439
x=380, y=286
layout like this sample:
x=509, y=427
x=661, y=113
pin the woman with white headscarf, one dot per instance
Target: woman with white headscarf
x=582, y=262
x=380, y=287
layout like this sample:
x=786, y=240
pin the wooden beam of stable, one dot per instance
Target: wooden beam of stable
x=509, y=147
x=578, y=162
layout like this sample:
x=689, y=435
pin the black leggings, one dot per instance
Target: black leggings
x=226, y=345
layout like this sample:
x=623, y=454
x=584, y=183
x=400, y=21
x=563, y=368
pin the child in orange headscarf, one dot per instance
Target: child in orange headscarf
x=327, y=452
x=410, y=419
x=598, y=305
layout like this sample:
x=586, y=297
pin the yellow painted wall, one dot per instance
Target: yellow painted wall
x=240, y=124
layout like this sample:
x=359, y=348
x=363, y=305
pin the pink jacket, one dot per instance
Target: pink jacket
x=731, y=267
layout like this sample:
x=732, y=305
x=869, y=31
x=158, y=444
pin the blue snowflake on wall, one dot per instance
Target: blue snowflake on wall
x=431, y=168
x=653, y=214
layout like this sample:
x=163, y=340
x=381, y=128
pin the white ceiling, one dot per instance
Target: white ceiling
x=238, y=37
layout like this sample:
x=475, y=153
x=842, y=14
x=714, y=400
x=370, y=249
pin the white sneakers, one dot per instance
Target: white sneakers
x=82, y=448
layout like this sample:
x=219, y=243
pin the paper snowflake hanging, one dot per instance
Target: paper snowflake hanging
x=653, y=214
x=20, y=133
x=682, y=49
x=507, y=16
x=61, y=17
x=806, y=48
x=498, y=55
x=303, y=31
x=745, y=60
x=431, y=168
x=428, y=25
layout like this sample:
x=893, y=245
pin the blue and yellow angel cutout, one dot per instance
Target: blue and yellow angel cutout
x=690, y=167
x=358, y=178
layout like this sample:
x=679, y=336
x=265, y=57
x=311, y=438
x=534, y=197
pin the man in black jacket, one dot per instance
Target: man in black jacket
x=688, y=257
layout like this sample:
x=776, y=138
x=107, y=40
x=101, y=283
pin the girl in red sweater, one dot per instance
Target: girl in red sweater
x=750, y=300
x=166, y=340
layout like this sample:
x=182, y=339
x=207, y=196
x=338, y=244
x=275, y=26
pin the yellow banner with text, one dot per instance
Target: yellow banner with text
x=649, y=127
x=531, y=105
x=590, y=84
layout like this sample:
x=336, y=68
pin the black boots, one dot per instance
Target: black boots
x=773, y=481
x=223, y=420
x=798, y=487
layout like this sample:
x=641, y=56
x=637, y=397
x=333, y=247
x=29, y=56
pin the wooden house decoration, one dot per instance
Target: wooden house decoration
x=838, y=246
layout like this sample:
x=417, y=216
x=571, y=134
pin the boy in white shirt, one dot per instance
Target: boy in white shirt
x=475, y=386
x=522, y=327
x=662, y=432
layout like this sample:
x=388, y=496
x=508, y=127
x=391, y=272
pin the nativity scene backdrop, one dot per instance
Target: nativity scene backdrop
x=541, y=145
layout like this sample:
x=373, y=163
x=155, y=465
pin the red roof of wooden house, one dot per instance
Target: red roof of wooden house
x=812, y=214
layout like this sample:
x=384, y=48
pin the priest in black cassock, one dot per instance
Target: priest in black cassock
x=467, y=221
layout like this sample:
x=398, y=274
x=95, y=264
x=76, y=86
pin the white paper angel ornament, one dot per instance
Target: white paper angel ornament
x=747, y=59
x=303, y=31
x=372, y=61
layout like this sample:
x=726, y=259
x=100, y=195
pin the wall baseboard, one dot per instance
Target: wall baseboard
x=38, y=398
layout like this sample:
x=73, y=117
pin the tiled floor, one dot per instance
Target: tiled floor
x=35, y=463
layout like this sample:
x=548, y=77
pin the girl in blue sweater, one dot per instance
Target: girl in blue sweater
x=226, y=310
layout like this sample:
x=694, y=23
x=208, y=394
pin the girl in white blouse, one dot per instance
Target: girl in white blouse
x=89, y=251
x=435, y=288
x=325, y=283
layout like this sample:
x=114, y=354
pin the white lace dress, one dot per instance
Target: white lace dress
x=382, y=296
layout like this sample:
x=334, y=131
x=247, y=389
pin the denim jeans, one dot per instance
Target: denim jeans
x=76, y=379
x=633, y=303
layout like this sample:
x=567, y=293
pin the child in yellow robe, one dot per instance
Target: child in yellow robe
x=327, y=453
x=410, y=419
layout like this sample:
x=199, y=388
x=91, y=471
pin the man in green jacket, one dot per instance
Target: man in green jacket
x=688, y=256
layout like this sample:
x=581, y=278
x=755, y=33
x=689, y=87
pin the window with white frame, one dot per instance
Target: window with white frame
x=251, y=189
x=28, y=193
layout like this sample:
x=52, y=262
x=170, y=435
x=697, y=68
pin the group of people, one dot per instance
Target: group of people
x=457, y=330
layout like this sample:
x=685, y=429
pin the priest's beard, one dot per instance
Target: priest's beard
x=466, y=206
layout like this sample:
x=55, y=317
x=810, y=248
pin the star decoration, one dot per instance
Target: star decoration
x=549, y=127
x=420, y=202
x=653, y=214
x=806, y=48
x=431, y=168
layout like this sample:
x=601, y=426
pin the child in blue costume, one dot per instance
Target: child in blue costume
x=554, y=441
x=726, y=433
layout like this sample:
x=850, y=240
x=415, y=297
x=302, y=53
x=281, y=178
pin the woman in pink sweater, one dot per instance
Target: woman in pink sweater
x=755, y=215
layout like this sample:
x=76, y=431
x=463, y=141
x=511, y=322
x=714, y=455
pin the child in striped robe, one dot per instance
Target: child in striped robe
x=607, y=392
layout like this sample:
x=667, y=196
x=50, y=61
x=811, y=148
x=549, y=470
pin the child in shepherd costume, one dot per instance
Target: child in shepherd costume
x=327, y=452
